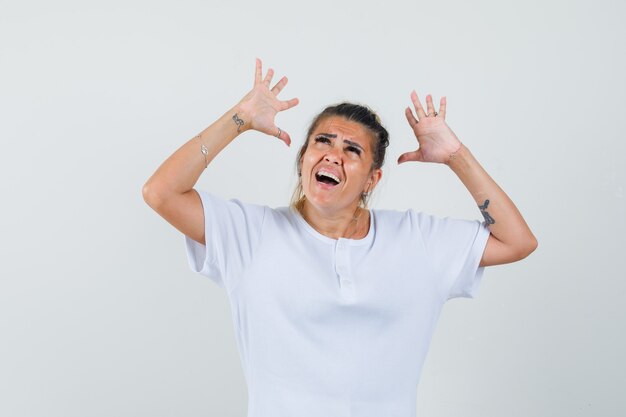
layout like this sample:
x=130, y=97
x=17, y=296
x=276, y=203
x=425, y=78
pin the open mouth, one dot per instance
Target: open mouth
x=327, y=178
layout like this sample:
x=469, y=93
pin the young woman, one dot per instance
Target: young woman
x=334, y=304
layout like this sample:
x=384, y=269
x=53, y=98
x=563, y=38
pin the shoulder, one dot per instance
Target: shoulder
x=210, y=198
x=394, y=224
x=411, y=222
x=282, y=218
x=390, y=216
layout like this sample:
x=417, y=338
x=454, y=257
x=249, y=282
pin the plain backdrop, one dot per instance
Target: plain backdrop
x=100, y=314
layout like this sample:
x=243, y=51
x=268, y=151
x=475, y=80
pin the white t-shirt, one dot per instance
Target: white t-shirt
x=335, y=327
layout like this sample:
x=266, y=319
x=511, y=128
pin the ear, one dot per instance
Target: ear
x=373, y=180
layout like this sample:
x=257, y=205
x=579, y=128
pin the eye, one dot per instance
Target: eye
x=322, y=139
x=354, y=149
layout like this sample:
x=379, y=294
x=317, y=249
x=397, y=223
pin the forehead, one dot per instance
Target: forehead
x=345, y=129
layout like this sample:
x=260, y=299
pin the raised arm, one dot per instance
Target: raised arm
x=511, y=239
x=169, y=191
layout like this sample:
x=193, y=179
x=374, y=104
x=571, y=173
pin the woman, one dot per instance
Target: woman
x=333, y=304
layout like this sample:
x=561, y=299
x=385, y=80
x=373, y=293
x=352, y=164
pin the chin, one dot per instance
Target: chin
x=325, y=204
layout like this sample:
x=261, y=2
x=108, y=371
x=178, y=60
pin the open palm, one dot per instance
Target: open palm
x=435, y=138
x=262, y=104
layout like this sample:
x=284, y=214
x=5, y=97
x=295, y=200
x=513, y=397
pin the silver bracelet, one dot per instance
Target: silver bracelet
x=205, y=151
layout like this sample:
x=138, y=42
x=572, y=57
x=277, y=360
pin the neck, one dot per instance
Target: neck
x=351, y=223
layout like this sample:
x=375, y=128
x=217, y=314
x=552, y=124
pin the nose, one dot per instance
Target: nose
x=333, y=156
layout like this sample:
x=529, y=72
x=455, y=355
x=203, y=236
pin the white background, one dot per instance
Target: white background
x=100, y=314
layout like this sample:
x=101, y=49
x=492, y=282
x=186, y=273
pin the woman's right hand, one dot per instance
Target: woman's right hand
x=261, y=104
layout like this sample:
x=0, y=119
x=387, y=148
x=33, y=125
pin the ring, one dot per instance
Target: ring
x=279, y=132
x=428, y=115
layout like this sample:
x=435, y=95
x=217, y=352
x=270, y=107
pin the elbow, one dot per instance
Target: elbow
x=151, y=195
x=528, y=248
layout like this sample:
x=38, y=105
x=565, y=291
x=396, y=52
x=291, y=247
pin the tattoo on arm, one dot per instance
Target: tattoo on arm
x=483, y=210
x=239, y=122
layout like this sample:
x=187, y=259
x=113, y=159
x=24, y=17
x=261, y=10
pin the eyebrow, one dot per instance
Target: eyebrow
x=349, y=142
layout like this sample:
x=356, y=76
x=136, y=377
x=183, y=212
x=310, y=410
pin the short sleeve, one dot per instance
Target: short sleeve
x=232, y=233
x=454, y=248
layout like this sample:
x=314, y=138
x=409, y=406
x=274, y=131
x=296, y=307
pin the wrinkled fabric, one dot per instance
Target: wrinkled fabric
x=335, y=327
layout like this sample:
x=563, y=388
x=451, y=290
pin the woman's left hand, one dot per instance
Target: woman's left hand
x=436, y=140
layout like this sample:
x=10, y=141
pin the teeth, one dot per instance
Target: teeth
x=329, y=175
